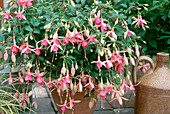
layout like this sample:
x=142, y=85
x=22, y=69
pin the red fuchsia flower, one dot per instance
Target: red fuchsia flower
x=109, y=87
x=84, y=44
x=55, y=46
x=80, y=86
x=131, y=86
x=67, y=79
x=97, y=19
x=14, y=48
x=128, y=33
x=39, y=75
x=28, y=75
x=71, y=103
x=21, y=80
x=37, y=51
x=90, y=38
x=90, y=84
x=104, y=27
x=63, y=107
x=144, y=67
x=99, y=63
x=60, y=81
x=64, y=6
x=22, y=2
x=7, y=15
x=107, y=63
x=19, y=15
x=45, y=41
x=50, y=84
x=139, y=21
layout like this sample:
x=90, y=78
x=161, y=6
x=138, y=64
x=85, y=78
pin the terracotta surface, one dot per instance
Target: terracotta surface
x=79, y=108
x=153, y=91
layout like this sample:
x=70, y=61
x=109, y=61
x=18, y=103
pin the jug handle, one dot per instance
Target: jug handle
x=142, y=58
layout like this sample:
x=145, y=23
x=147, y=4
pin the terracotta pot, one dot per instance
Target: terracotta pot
x=79, y=108
x=153, y=91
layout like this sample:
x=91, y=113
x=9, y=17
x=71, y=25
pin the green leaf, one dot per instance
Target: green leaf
x=154, y=7
x=16, y=30
x=163, y=37
x=2, y=38
x=77, y=1
x=1, y=47
x=28, y=28
x=168, y=41
x=164, y=17
x=153, y=43
x=83, y=2
x=37, y=31
x=70, y=57
x=40, y=58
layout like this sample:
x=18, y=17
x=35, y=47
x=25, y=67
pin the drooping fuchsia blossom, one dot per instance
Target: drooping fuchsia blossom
x=97, y=19
x=64, y=106
x=90, y=84
x=56, y=44
x=71, y=103
x=104, y=27
x=67, y=79
x=45, y=41
x=102, y=94
x=21, y=80
x=107, y=63
x=37, y=50
x=83, y=77
x=10, y=80
x=7, y=15
x=83, y=42
x=139, y=21
x=28, y=75
x=99, y=63
x=90, y=38
x=22, y=2
x=128, y=33
x=143, y=67
x=63, y=69
x=60, y=81
x=25, y=2
x=24, y=99
x=29, y=3
x=91, y=103
x=80, y=86
x=39, y=75
x=109, y=87
x=50, y=84
x=112, y=34
x=27, y=49
x=20, y=15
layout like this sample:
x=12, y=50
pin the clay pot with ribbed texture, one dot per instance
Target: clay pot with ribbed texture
x=79, y=108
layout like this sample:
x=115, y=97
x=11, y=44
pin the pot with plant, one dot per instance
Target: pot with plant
x=82, y=50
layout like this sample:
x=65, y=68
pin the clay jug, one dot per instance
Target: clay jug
x=153, y=89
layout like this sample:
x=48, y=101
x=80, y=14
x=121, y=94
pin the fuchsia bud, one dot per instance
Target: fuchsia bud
x=63, y=70
x=66, y=40
x=132, y=60
x=72, y=3
x=13, y=58
x=5, y=56
x=91, y=103
x=80, y=86
x=21, y=80
x=137, y=50
x=125, y=59
x=10, y=80
x=73, y=70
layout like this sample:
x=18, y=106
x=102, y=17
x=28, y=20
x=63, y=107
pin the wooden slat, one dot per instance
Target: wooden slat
x=2, y=4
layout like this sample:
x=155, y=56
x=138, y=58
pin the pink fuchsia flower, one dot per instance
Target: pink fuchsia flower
x=90, y=84
x=50, y=84
x=67, y=79
x=109, y=87
x=107, y=63
x=71, y=103
x=144, y=67
x=45, y=41
x=112, y=34
x=60, y=81
x=128, y=33
x=99, y=63
x=29, y=3
x=28, y=75
x=97, y=19
x=55, y=46
x=27, y=49
x=39, y=75
x=10, y=79
x=19, y=15
x=102, y=94
x=7, y=15
x=37, y=51
x=84, y=44
x=91, y=103
x=22, y=2
x=83, y=77
x=24, y=99
x=14, y=48
x=139, y=21
x=63, y=107
x=104, y=27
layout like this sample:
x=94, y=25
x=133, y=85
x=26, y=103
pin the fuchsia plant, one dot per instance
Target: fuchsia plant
x=76, y=48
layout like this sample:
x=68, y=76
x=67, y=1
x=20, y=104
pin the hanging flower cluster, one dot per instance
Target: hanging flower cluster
x=76, y=49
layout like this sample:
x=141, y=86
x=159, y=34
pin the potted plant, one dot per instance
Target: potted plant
x=79, y=48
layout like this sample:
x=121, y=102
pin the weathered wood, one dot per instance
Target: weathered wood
x=2, y=4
